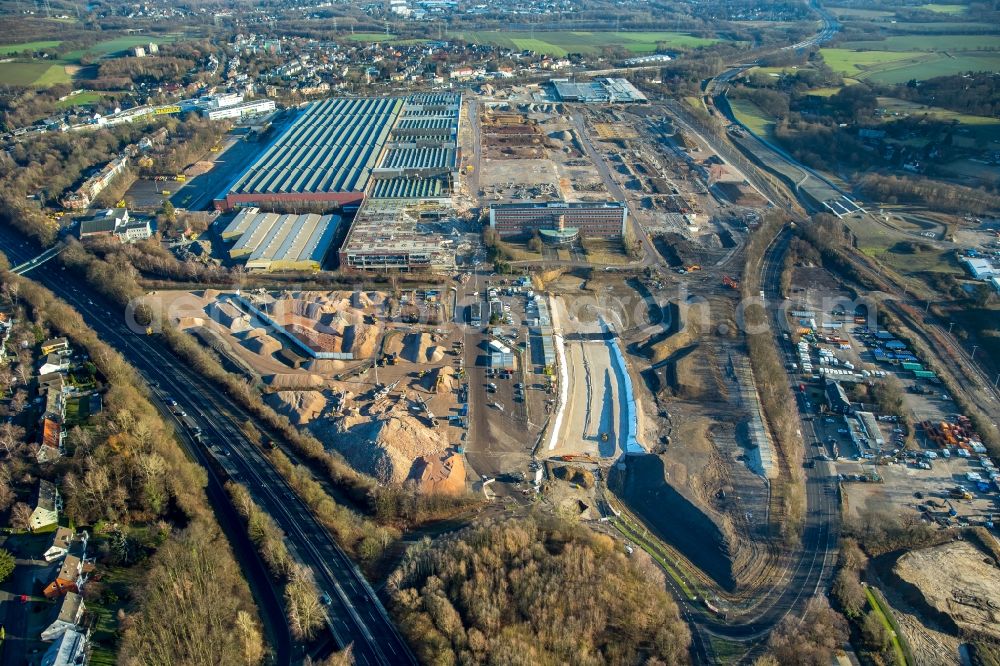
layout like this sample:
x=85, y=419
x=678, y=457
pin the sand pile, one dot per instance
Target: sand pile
x=331, y=321
x=190, y=322
x=300, y=407
x=416, y=348
x=387, y=445
x=324, y=366
x=228, y=315
x=440, y=380
x=293, y=381
x=443, y=473
x=264, y=344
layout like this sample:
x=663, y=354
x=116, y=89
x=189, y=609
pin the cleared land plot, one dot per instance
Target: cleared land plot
x=562, y=43
x=593, y=408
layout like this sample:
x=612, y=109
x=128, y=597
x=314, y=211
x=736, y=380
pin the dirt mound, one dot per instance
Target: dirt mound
x=443, y=473
x=264, y=345
x=339, y=322
x=387, y=445
x=190, y=322
x=293, y=381
x=198, y=168
x=416, y=348
x=227, y=315
x=957, y=580
x=300, y=407
x=440, y=380
x=324, y=366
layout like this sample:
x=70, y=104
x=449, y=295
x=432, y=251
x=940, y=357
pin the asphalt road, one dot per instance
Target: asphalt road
x=356, y=615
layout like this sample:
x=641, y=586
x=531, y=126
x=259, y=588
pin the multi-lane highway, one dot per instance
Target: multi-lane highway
x=356, y=615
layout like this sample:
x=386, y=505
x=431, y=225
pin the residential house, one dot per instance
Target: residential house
x=69, y=578
x=70, y=649
x=47, y=504
x=6, y=325
x=55, y=345
x=61, y=540
x=55, y=381
x=67, y=616
x=54, y=362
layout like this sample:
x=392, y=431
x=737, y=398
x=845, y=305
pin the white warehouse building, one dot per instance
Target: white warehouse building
x=238, y=111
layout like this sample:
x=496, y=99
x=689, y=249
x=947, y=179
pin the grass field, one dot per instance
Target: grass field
x=842, y=12
x=945, y=9
x=371, y=37
x=562, y=43
x=902, y=107
x=83, y=99
x=116, y=45
x=10, y=49
x=750, y=115
x=824, y=92
x=922, y=43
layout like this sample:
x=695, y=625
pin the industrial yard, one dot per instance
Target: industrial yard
x=387, y=395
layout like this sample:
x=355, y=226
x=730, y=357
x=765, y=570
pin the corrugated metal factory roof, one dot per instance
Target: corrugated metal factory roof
x=331, y=147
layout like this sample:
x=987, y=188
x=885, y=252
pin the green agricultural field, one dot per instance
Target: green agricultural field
x=751, y=115
x=939, y=65
x=948, y=43
x=561, y=43
x=11, y=49
x=857, y=63
x=891, y=67
x=945, y=9
x=33, y=73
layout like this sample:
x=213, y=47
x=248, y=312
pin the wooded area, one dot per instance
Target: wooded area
x=536, y=590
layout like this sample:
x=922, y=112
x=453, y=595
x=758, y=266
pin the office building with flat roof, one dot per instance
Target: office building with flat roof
x=602, y=220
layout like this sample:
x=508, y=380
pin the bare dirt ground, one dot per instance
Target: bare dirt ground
x=896, y=494
x=958, y=580
x=594, y=404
